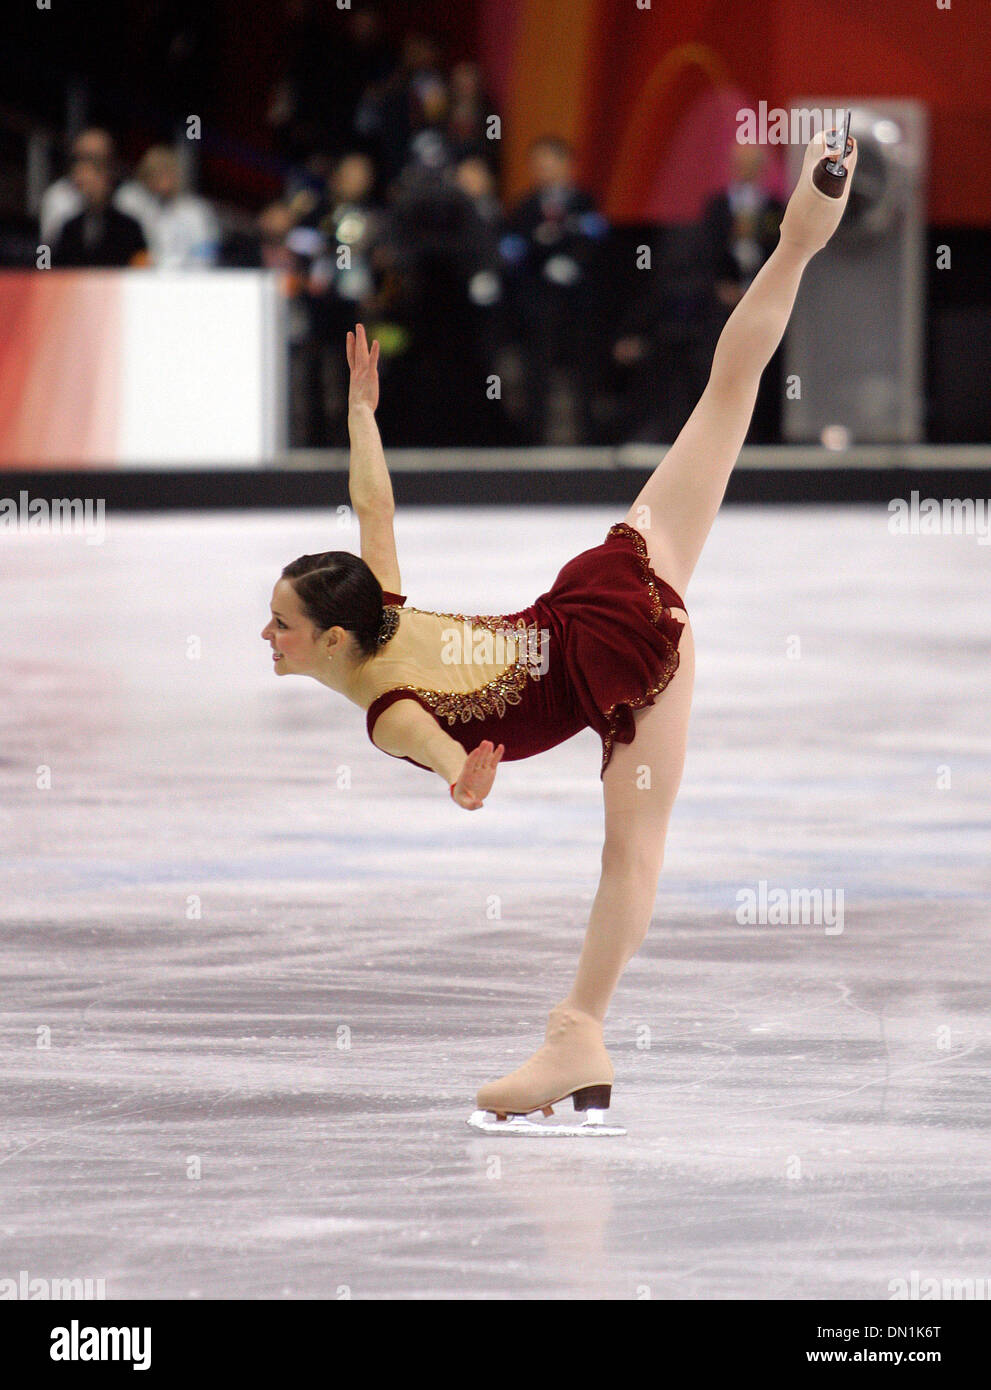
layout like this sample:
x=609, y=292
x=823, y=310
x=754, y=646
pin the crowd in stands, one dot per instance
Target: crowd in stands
x=497, y=325
x=89, y=218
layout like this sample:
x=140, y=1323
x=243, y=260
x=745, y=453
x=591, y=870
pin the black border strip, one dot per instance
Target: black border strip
x=170, y=490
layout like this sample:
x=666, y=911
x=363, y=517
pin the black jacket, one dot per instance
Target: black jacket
x=118, y=239
x=545, y=224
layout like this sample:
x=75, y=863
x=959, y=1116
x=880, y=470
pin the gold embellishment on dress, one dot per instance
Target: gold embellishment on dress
x=658, y=609
x=495, y=622
x=466, y=705
x=390, y=622
x=657, y=604
x=637, y=702
x=495, y=695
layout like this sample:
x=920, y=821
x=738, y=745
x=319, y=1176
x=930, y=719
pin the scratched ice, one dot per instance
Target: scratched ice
x=254, y=970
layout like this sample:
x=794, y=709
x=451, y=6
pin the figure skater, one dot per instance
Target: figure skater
x=608, y=646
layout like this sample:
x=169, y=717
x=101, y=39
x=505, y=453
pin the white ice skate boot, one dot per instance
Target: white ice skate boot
x=572, y=1064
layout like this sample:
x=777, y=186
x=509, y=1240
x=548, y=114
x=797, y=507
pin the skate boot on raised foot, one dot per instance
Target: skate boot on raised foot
x=572, y=1064
x=816, y=207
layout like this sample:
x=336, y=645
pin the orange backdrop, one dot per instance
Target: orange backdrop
x=649, y=97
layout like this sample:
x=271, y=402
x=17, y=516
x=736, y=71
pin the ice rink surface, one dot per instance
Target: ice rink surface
x=254, y=970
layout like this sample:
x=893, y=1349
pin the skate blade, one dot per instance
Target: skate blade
x=593, y=1127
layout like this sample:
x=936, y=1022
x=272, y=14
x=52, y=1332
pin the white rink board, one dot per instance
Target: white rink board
x=200, y=375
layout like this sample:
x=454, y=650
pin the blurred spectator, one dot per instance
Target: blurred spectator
x=742, y=224
x=351, y=227
x=486, y=288
x=327, y=247
x=551, y=244
x=436, y=221
x=476, y=180
x=299, y=105
x=276, y=226
x=667, y=336
x=441, y=281
x=364, y=59
x=468, y=115
x=101, y=235
x=275, y=222
x=313, y=107
x=327, y=184
x=306, y=187
x=344, y=273
x=62, y=199
x=181, y=230
x=406, y=115
x=741, y=228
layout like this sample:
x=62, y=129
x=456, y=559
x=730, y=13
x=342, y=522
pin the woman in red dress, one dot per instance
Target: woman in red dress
x=608, y=646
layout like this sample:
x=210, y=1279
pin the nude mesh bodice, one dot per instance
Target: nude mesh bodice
x=465, y=666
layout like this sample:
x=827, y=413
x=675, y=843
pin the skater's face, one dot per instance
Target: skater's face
x=297, y=648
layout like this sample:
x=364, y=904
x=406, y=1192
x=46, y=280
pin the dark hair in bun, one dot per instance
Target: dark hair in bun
x=337, y=589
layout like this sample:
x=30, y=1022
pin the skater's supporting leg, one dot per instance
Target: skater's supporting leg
x=639, y=789
x=573, y=1059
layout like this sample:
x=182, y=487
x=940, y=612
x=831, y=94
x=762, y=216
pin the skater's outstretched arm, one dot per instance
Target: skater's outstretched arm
x=368, y=481
x=407, y=730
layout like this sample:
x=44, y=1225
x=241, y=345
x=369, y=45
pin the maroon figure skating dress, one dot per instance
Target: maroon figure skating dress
x=599, y=644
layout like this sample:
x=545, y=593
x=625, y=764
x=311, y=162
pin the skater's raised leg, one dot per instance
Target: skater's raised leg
x=674, y=511
x=678, y=503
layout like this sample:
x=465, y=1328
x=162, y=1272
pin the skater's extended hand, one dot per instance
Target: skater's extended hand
x=364, y=364
x=477, y=775
x=812, y=217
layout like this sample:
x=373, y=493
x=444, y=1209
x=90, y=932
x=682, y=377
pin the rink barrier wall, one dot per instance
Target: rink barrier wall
x=486, y=477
